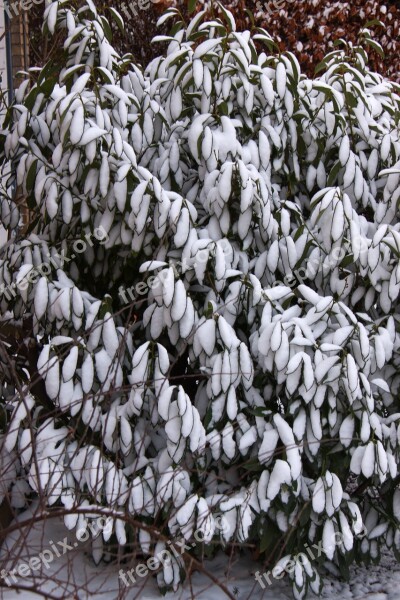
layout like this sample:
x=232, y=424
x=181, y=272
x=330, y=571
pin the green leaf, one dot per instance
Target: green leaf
x=298, y=233
x=250, y=15
x=106, y=306
x=223, y=109
x=253, y=465
x=393, y=249
x=374, y=22
x=340, y=42
x=181, y=74
x=377, y=47
x=117, y=18
x=68, y=73
x=191, y=6
x=106, y=27
x=350, y=99
x=176, y=27
x=344, y=568
x=270, y=536
x=321, y=66
x=228, y=17
x=207, y=418
x=105, y=74
x=31, y=176
x=295, y=66
x=333, y=173
x=169, y=13
x=348, y=260
x=259, y=411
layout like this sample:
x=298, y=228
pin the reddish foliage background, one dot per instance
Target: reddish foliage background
x=309, y=27
x=306, y=27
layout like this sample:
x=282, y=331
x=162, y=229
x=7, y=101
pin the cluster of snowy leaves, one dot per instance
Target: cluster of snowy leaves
x=257, y=377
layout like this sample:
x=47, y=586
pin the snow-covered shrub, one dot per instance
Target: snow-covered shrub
x=253, y=215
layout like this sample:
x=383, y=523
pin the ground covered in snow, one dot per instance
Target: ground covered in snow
x=74, y=575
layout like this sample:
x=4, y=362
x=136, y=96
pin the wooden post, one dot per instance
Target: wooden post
x=19, y=26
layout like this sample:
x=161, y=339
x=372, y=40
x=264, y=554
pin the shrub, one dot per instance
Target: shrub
x=208, y=290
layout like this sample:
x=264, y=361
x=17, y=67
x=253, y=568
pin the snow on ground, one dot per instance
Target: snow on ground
x=74, y=576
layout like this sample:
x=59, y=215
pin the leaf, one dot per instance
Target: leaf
x=381, y=383
x=117, y=18
x=373, y=22
x=228, y=17
x=31, y=176
x=193, y=25
x=191, y=6
x=205, y=47
x=377, y=47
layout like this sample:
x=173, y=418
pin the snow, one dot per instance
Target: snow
x=41, y=297
x=269, y=222
x=18, y=416
x=280, y=474
x=327, y=536
x=246, y=365
x=373, y=583
x=228, y=444
x=206, y=335
x=69, y=366
x=179, y=302
x=336, y=491
x=187, y=420
x=248, y=439
x=268, y=445
x=318, y=499
x=103, y=364
x=77, y=125
x=173, y=426
x=227, y=333
x=368, y=460
x=52, y=378
x=346, y=430
x=90, y=135
x=87, y=374
x=110, y=336
x=281, y=79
